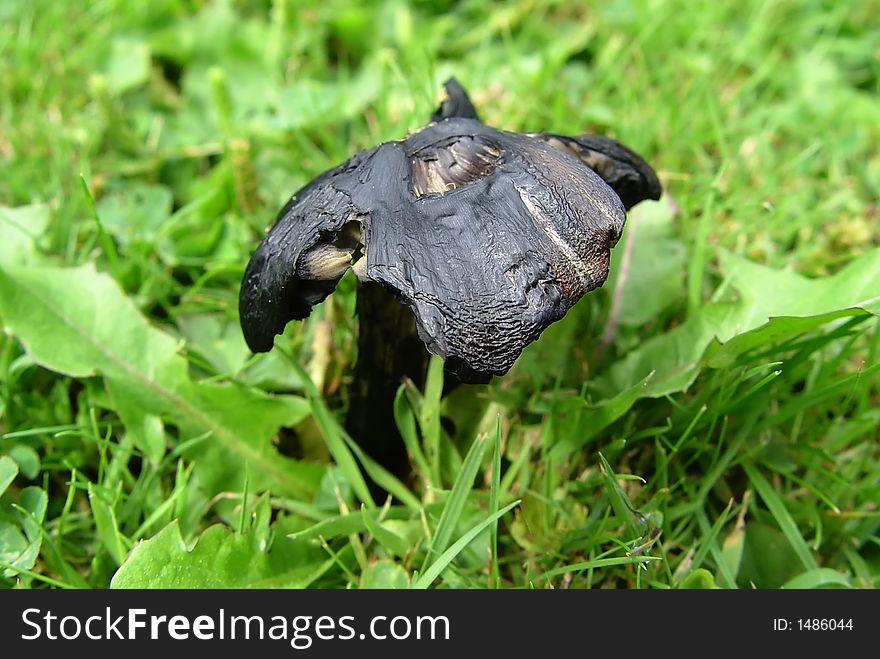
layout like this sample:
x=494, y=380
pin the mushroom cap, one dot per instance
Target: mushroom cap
x=488, y=236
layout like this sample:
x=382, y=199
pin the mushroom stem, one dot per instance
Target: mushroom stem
x=389, y=349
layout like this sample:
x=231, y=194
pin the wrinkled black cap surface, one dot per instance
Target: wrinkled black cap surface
x=487, y=235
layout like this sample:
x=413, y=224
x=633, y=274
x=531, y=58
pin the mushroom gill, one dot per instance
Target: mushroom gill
x=453, y=163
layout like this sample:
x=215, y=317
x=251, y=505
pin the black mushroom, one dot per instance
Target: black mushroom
x=486, y=236
x=465, y=239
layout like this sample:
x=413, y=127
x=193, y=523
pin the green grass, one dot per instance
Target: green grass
x=144, y=148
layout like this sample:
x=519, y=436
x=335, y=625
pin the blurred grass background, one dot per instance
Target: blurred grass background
x=184, y=126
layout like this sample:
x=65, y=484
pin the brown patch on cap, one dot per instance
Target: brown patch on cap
x=461, y=160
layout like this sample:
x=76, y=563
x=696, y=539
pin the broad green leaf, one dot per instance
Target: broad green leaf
x=768, y=560
x=245, y=420
x=770, y=305
x=147, y=429
x=193, y=229
x=13, y=547
x=219, y=559
x=27, y=458
x=135, y=212
x=217, y=339
x=384, y=575
x=32, y=502
x=654, y=274
x=21, y=534
x=8, y=472
x=305, y=102
x=271, y=372
x=77, y=321
x=128, y=66
x=20, y=232
x=532, y=528
x=822, y=577
x=699, y=579
x=762, y=294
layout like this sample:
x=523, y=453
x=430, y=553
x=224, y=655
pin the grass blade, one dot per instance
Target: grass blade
x=457, y=498
x=429, y=417
x=494, y=576
x=381, y=476
x=600, y=562
x=709, y=545
x=437, y=567
x=108, y=528
x=781, y=514
x=623, y=508
x=388, y=539
x=406, y=424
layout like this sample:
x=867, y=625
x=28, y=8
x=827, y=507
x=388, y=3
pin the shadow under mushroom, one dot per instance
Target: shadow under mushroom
x=466, y=239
